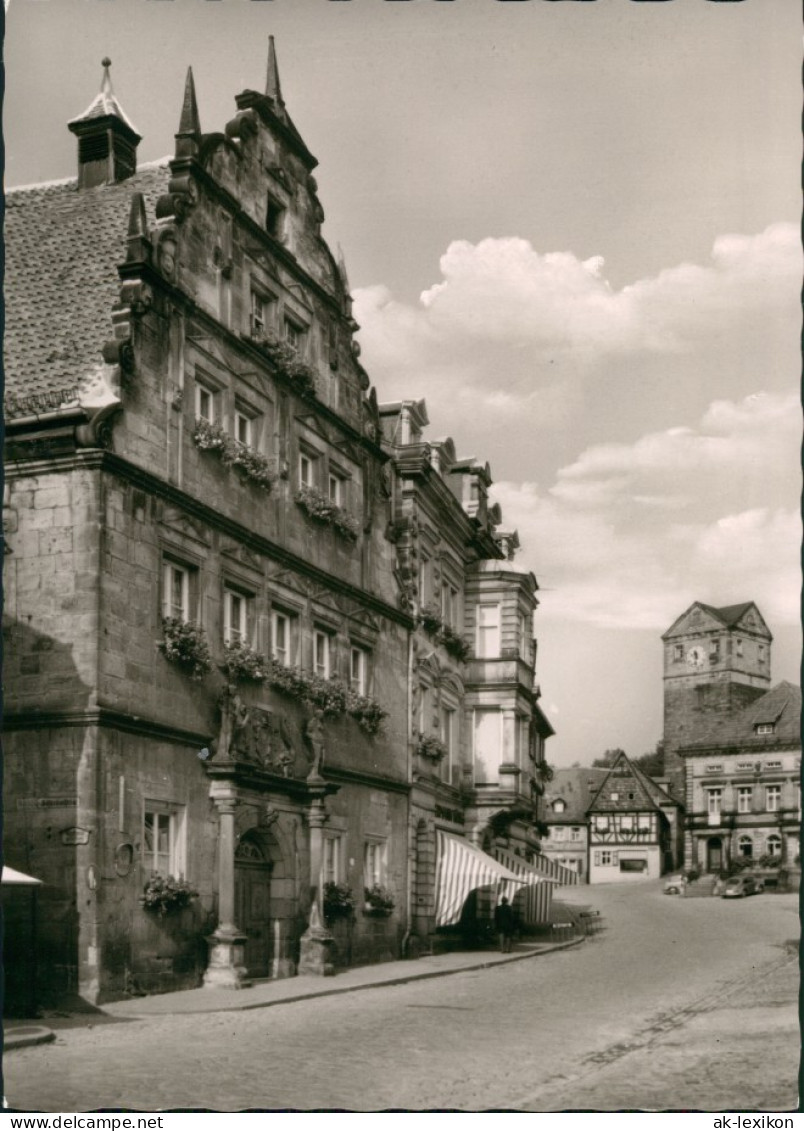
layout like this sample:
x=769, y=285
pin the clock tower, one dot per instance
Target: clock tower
x=716, y=661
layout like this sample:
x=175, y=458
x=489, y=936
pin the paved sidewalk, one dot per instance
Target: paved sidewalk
x=284, y=990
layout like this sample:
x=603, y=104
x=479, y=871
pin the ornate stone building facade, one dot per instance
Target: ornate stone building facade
x=219, y=667
x=735, y=740
x=476, y=730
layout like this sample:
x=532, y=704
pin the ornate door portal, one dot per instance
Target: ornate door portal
x=253, y=906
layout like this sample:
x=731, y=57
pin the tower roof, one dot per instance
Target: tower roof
x=105, y=105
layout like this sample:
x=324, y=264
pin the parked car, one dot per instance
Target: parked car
x=739, y=886
x=674, y=885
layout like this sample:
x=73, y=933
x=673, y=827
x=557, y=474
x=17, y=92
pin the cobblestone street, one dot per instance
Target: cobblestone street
x=675, y=1004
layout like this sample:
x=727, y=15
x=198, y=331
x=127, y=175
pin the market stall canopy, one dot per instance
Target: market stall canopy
x=12, y=876
x=460, y=869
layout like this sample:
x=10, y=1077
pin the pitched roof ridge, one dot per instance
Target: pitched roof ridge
x=60, y=182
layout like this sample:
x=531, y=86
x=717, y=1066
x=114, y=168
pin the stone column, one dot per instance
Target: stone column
x=226, y=969
x=317, y=949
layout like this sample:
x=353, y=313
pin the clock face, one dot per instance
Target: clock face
x=695, y=656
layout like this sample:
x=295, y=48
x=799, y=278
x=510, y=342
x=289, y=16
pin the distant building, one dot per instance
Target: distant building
x=736, y=740
x=633, y=826
x=566, y=805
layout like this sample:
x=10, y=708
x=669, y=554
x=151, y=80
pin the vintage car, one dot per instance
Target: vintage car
x=739, y=886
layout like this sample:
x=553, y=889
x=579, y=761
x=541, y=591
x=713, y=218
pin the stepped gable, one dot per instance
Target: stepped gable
x=576, y=786
x=780, y=707
x=61, y=282
x=624, y=779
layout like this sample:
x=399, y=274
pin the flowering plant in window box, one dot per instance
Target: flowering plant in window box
x=244, y=664
x=166, y=893
x=321, y=509
x=332, y=696
x=379, y=900
x=430, y=619
x=246, y=461
x=429, y=746
x=287, y=361
x=436, y=627
x=339, y=903
x=185, y=644
x=366, y=711
x=454, y=644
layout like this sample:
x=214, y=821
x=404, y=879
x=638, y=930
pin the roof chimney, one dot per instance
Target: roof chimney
x=107, y=141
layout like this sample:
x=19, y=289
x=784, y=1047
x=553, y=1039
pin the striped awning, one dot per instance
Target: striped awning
x=529, y=873
x=554, y=871
x=460, y=869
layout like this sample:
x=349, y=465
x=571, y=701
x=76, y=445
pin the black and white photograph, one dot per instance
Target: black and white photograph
x=402, y=542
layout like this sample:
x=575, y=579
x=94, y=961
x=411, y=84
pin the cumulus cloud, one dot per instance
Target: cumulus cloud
x=504, y=312
x=630, y=533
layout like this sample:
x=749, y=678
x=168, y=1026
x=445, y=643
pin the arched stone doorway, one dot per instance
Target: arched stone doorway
x=714, y=854
x=253, y=873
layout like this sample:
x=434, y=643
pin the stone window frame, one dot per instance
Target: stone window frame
x=484, y=644
x=275, y=217
x=284, y=613
x=449, y=767
x=176, y=558
x=313, y=457
x=361, y=683
x=205, y=386
x=235, y=589
x=375, y=860
x=326, y=634
x=745, y=796
x=773, y=798
x=714, y=799
x=333, y=857
x=174, y=815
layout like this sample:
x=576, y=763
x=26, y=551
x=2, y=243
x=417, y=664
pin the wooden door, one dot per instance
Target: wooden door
x=714, y=854
x=253, y=907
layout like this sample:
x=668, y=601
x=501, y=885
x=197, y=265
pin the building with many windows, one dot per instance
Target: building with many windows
x=477, y=732
x=736, y=739
x=260, y=640
x=633, y=826
x=566, y=804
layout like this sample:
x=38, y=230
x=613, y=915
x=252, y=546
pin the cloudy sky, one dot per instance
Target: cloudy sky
x=573, y=228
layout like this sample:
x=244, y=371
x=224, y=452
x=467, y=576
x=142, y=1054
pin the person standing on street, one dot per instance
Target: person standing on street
x=504, y=923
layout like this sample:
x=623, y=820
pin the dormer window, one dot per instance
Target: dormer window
x=764, y=728
x=559, y=806
x=274, y=218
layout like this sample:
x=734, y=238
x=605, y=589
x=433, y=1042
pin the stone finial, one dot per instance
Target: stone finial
x=272, y=87
x=137, y=239
x=189, y=123
x=137, y=221
x=342, y=269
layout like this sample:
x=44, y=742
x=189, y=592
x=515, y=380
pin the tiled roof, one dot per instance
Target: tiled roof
x=729, y=614
x=625, y=778
x=576, y=787
x=779, y=707
x=63, y=248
